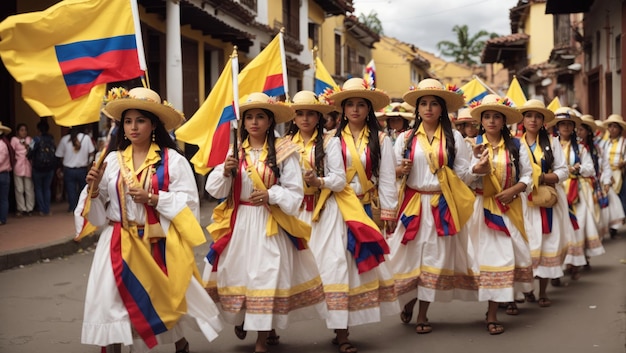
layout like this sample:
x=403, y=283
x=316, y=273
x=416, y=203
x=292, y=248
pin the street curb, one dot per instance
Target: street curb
x=27, y=257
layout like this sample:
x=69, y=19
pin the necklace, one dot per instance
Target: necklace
x=256, y=153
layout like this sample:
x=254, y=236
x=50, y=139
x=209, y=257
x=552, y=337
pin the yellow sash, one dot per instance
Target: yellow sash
x=357, y=167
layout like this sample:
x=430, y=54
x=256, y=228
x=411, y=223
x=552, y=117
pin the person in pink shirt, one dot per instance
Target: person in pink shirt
x=22, y=172
x=6, y=154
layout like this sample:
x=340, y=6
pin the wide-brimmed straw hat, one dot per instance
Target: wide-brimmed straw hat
x=359, y=88
x=397, y=109
x=600, y=125
x=308, y=100
x=588, y=120
x=538, y=106
x=452, y=95
x=4, y=129
x=499, y=104
x=565, y=114
x=119, y=100
x=258, y=100
x=464, y=116
x=617, y=119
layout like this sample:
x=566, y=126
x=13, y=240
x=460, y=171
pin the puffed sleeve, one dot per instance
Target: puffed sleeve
x=462, y=159
x=334, y=169
x=400, y=145
x=289, y=193
x=558, y=166
x=586, y=163
x=526, y=171
x=217, y=185
x=387, y=190
x=97, y=211
x=182, y=190
x=605, y=168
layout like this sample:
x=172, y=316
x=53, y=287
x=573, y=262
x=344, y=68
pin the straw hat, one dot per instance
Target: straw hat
x=464, y=116
x=359, y=88
x=600, y=125
x=4, y=129
x=452, y=95
x=615, y=118
x=120, y=100
x=403, y=110
x=565, y=114
x=258, y=100
x=589, y=121
x=538, y=106
x=308, y=100
x=501, y=105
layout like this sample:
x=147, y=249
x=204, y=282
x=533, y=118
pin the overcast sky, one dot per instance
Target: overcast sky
x=426, y=22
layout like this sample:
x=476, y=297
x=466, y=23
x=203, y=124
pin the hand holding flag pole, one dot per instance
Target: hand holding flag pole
x=234, y=123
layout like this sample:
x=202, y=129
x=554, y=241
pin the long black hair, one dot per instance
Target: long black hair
x=161, y=136
x=271, y=139
x=509, y=142
x=543, y=141
x=573, y=140
x=319, y=142
x=591, y=146
x=374, y=126
x=446, y=125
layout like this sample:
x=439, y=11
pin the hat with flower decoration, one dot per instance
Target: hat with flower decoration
x=358, y=88
x=120, y=100
x=451, y=94
x=397, y=109
x=538, y=106
x=496, y=103
x=258, y=100
x=308, y=100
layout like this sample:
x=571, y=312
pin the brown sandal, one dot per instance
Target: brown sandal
x=423, y=328
x=544, y=302
x=511, y=309
x=495, y=328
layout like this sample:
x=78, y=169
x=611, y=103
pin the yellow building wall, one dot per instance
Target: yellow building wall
x=274, y=12
x=316, y=15
x=393, y=71
x=330, y=27
x=539, y=27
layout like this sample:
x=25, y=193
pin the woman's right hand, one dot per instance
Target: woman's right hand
x=229, y=164
x=95, y=174
x=483, y=166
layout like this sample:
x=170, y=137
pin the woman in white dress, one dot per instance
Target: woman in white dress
x=546, y=226
x=260, y=270
x=579, y=194
x=614, y=150
x=497, y=233
x=429, y=249
x=353, y=297
x=144, y=281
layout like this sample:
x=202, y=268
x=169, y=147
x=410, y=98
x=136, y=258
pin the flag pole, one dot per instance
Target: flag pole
x=314, y=53
x=283, y=60
x=485, y=85
x=234, y=123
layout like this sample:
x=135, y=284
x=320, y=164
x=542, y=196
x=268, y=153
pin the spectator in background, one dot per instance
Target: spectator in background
x=43, y=166
x=332, y=121
x=22, y=172
x=6, y=156
x=76, y=150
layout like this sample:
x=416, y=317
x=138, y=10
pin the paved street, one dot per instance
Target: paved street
x=41, y=310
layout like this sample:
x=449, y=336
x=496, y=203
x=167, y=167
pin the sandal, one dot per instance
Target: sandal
x=495, y=328
x=544, y=302
x=240, y=332
x=347, y=347
x=530, y=297
x=406, y=315
x=511, y=309
x=272, y=339
x=185, y=349
x=335, y=341
x=423, y=328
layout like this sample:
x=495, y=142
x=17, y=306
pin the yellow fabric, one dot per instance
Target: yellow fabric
x=220, y=226
x=538, y=154
x=515, y=93
x=357, y=167
x=615, y=157
x=306, y=156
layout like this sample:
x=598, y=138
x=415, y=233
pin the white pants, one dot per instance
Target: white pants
x=24, y=193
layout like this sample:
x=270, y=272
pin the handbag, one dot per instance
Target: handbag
x=544, y=196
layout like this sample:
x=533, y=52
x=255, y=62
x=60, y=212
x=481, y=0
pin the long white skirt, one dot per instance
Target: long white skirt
x=586, y=210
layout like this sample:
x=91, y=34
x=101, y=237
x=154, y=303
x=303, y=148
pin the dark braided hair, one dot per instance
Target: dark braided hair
x=509, y=143
x=161, y=136
x=374, y=126
x=271, y=139
x=446, y=125
x=319, y=142
x=543, y=141
x=588, y=142
x=573, y=140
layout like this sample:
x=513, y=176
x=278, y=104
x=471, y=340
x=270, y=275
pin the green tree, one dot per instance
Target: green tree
x=467, y=49
x=372, y=22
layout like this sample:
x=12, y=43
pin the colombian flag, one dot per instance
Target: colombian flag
x=64, y=56
x=208, y=127
x=214, y=116
x=474, y=91
x=323, y=79
x=370, y=74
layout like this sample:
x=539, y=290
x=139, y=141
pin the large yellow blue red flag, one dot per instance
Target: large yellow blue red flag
x=265, y=73
x=323, y=79
x=474, y=91
x=214, y=116
x=370, y=73
x=515, y=93
x=64, y=56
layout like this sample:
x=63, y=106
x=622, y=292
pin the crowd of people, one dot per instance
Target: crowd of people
x=364, y=208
